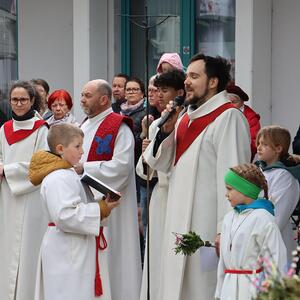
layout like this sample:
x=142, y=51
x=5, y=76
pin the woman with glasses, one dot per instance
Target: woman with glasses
x=135, y=108
x=60, y=103
x=22, y=224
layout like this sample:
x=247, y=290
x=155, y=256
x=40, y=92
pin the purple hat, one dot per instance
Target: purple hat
x=172, y=58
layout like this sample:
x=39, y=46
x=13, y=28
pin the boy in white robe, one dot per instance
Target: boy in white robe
x=66, y=268
x=249, y=235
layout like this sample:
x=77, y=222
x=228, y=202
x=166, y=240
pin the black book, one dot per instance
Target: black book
x=100, y=186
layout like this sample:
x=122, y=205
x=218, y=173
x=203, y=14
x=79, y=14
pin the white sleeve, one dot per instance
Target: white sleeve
x=284, y=193
x=231, y=141
x=273, y=247
x=16, y=173
x=66, y=209
x=164, y=157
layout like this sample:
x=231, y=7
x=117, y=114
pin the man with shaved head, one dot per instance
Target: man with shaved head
x=109, y=156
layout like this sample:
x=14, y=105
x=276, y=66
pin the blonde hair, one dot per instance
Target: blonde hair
x=62, y=133
x=275, y=136
x=254, y=175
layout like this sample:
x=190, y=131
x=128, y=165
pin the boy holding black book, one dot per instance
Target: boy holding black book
x=67, y=268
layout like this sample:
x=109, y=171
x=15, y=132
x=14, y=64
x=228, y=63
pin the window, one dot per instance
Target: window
x=215, y=28
x=8, y=54
x=162, y=38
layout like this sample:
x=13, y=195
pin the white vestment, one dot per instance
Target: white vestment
x=122, y=233
x=196, y=196
x=284, y=192
x=157, y=215
x=66, y=267
x=250, y=235
x=22, y=224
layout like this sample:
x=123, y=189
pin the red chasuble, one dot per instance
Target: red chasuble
x=13, y=137
x=186, y=134
x=102, y=148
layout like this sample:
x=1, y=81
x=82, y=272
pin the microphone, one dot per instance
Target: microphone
x=178, y=101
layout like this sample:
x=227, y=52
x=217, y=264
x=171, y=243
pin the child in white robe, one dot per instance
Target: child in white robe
x=67, y=263
x=282, y=173
x=249, y=233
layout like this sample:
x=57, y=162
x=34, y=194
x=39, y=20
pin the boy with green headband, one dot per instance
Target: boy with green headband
x=249, y=233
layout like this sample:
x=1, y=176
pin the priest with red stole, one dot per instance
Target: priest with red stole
x=22, y=222
x=208, y=138
x=109, y=156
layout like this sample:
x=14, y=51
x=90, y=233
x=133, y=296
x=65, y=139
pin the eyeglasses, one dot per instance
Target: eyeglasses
x=132, y=90
x=21, y=100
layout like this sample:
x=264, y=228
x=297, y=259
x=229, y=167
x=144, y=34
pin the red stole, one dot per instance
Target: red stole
x=13, y=137
x=102, y=148
x=186, y=134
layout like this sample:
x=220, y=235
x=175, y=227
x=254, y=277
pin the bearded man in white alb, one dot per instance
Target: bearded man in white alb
x=208, y=138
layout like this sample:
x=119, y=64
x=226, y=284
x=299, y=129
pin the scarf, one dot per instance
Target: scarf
x=30, y=114
x=259, y=203
x=68, y=118
x=129, y=108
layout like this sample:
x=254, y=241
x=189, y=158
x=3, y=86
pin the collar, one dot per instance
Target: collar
x=209, y=106
x=26, y=124
x=293, y=170
x=99, y=117
x=259, y=203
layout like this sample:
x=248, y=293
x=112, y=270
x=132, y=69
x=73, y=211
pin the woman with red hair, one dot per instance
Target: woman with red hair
x=60, y=103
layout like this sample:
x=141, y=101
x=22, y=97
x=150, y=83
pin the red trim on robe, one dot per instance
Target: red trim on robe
x=102, y=148
x=13, y=137
x=186, y=134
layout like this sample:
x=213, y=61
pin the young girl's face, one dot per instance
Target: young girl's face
x=267, y=152
x=73, y=152
x=235, y=197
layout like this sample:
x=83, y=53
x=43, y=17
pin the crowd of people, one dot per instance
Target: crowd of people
x=207, y=167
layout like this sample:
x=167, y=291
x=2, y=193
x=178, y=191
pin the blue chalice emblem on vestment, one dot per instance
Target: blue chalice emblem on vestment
x=103, y=144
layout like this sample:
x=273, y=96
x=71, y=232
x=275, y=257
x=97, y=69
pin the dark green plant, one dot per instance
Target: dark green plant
x=189, y=243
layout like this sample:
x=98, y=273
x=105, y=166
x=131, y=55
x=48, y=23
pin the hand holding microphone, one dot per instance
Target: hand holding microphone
x=178, y=101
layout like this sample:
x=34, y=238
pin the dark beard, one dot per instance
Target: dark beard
x=196, y=102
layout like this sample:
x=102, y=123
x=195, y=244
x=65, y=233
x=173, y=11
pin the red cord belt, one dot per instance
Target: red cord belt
x=232, y=271
x=99, y=246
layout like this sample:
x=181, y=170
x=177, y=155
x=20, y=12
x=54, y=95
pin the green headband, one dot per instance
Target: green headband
x=242, y=185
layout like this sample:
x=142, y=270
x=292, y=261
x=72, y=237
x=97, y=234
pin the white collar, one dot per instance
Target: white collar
x=209, y=106
x=26, y=124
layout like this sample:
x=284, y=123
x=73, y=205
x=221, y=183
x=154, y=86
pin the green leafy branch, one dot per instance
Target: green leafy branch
x=189, y=243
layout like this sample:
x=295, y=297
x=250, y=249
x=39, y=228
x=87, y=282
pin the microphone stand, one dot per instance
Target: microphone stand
x=146, y=26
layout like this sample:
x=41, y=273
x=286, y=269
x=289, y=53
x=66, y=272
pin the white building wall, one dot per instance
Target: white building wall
x=45, y=41
x=267, y=58
x=286, y=64
x=253, y=53
x=67, y=43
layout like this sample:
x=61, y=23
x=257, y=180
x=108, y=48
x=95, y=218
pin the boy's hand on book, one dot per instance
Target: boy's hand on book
x=106, y=206
x=111, y=203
